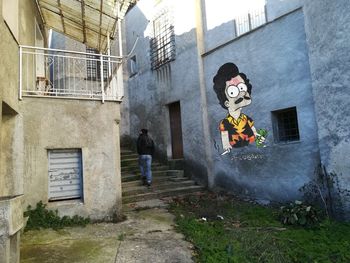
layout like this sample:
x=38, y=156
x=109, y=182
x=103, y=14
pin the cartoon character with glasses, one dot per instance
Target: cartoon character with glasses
x=234, y=92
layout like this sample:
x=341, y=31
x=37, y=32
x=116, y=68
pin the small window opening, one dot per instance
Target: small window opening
x=285, y=123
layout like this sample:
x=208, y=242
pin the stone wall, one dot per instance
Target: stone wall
x=327, y=26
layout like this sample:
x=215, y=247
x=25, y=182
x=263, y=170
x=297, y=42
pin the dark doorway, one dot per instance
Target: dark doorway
x=176, y=130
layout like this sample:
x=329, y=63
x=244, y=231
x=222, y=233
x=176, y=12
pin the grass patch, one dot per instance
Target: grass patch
x=253, y=233
x=40, y=217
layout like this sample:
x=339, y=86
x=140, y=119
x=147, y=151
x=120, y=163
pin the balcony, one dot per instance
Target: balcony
x=56, y=73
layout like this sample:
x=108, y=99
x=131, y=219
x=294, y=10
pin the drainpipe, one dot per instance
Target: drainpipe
x=109, y=60
x=20, y=73
x=101, y=74
x=120, y=66
x=204, y=105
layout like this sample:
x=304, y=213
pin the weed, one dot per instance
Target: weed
x=40, y=217
x=121, y=237
x=252, y=233
x=300, y=214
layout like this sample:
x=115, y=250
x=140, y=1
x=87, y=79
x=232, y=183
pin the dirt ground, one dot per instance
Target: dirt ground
x=147, y=235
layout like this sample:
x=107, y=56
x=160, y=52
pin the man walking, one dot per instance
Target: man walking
x=145, y=149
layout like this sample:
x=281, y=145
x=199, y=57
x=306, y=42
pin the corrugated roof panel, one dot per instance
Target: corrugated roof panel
x=70, y=6
x=93, y=36
x=74, y=31
x=51, y=8
x=85, y=20
x=54, y=20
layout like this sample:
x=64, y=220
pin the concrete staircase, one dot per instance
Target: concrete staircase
x=165, y=183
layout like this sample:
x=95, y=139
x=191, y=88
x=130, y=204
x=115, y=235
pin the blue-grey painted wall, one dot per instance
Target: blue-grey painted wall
x=150, y=91
x=328, y=35
x=294, y=60
x=275, y=59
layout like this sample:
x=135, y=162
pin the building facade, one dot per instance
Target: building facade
x=53, y=148
x=276, y=46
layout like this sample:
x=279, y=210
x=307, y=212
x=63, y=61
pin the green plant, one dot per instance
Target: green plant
x=40, y=217
x=252, y=233
x=121, y=237
x=298, y=213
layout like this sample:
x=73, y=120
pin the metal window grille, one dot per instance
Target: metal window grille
x=286, y=125
x=93, y=67
x=163, y=43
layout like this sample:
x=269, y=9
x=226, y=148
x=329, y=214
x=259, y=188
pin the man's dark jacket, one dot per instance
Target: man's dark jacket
x=145, y=145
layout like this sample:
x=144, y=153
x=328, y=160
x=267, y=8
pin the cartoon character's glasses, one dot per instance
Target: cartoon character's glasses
x=233, y=91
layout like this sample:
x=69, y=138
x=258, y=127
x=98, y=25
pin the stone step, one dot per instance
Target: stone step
x=129, y=155
x=127, y=177
x=155, y=193
x=129, y=161
x=136, y=168
x=155, y=181
x=125, y=151
x=176, y=164
x=135, y=190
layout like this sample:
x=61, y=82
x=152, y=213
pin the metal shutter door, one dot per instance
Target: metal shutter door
x=65, y=174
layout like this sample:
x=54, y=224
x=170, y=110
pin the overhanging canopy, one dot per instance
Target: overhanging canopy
x=87, y=21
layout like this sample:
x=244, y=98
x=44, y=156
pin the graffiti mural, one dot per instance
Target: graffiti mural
x=234, y=93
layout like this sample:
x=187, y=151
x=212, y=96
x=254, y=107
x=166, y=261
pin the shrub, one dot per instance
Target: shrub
x=40, y=217
x=300, y=214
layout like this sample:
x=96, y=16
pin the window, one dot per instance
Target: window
x=93, y=66
x=285, y=125
x=65, y=174
x=163, y=43
x=133, y=66
x=10, y=14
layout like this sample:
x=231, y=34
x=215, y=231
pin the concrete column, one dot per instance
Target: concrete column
x=204, y=106
x=11, y=222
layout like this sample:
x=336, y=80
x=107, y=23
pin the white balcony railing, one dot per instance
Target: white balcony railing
x=59, y=73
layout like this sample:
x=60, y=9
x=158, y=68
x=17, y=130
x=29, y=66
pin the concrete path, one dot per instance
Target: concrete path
x=147, y=235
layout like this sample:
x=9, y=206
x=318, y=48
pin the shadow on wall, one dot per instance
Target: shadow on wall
x=196, y=172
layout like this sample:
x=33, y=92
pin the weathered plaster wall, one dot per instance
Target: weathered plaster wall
x=11, y=130
x=12, y=124
x=9, y=73
x=226, y=32
x=277, y=8
x=275, y=59
x=62, y=124
x=9, y=77
x=328, y=34
x=151, y=91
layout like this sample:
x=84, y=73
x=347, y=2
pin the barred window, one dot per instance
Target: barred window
x=163, y=43
x=285, y=124
x=93, y=66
